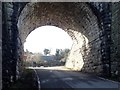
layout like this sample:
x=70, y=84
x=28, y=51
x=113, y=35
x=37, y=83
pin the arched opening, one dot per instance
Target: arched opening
x=50, y=37
x=47, y=46
x=78, y=20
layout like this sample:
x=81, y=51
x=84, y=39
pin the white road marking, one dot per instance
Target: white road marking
x=38, y=80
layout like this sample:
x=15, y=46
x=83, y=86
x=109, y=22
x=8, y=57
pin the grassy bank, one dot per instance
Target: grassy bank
x=26, y=82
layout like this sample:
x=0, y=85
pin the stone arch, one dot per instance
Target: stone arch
x=78, y=20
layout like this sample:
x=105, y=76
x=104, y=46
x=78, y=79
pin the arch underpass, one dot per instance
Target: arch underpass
x=88, y=24
x=81, y=25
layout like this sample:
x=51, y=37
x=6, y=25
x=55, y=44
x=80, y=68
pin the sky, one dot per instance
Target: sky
x=49, y=37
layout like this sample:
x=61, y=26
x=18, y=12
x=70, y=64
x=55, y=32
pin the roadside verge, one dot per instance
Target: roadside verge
x=26, y=82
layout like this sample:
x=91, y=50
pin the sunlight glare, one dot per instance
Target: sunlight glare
x=49, y=37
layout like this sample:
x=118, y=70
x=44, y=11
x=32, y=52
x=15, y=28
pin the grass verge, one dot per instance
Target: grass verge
x=26, y=82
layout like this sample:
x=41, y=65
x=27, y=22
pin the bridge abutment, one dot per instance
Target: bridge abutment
x=93, y=28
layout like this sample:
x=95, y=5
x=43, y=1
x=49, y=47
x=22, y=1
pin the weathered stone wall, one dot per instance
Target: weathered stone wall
x=103, y=13
x=115, y=37
x=85, y=55
x=11, y=46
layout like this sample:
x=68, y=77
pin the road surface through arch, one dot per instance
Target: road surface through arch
x=63, y=78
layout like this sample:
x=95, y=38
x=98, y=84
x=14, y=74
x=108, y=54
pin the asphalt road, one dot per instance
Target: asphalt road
x=63, y=80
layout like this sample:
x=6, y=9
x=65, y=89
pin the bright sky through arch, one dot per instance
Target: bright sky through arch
x=50, y=37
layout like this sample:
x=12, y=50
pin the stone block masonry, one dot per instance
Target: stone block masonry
x=93, y=28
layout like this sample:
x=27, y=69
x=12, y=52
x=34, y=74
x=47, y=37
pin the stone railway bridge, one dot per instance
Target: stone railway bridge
x=93, y=28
